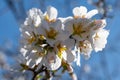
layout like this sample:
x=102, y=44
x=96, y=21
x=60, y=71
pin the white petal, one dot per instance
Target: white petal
x=76, y=11
x=40, y=30
x=28, y=62
x=83, y=10
x=67, y=19
x=78, y=59
x=45, y=25
x=51, y=42
x=104, y=23
x=91, y=13
x=70, y=56
x=86, y=49
x=64, y=55
x=37, y=21
x=23, y=51
x=52, y=61
x=38, y=60
x=57, y=25
x=34, y=11
x=101, y=41
x=62, y=36
x=69, y=43
x=62, y=19
x=74, y=76
x=68, y=25
x=52, y=13
x=99, y=24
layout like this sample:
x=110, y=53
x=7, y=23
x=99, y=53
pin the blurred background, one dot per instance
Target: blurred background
x=104, y=65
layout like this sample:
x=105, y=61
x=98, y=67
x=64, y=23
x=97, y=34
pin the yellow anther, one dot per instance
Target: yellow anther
x=41, y=54
x=41, y=37
x=60, y=50
x=48, y=19
x=31, y=40
x=96, y=36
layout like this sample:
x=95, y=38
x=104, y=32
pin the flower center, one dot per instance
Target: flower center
x=52, y=33
x=78, y=29
x=31, y=40
x=60, y=50
x=82, y=45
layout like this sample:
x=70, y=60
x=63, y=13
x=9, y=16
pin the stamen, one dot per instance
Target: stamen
x=31, y=40
x=52, y=33
x=96, y=36
x=78, y=29
x=47, y=19
x=60, y=50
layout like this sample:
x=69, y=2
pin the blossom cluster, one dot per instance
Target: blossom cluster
x=48, y=40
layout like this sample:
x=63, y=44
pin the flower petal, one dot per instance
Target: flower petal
x=52, y=13
x=62, y=36
x=34, y=17
x=35, y=11
x=69, y=43
x=38, y=60
x=100, y=36
x=52, y=61
x=76, y=12
x=78, y=59
x=91, y=13
x=23, y=51
x=70, y=56
x=85, y=48
x=99, y=24
x=83, y=10
x=57, y=25
x=68, y=25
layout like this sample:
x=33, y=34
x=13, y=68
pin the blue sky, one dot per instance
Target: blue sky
x=9, y=28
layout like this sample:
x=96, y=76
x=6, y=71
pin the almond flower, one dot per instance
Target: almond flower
x=40, y=35
x=99, y=39
x=28, y=30
x=83, y=29
x=81, y=12
x=48, y=40
x=51, y=27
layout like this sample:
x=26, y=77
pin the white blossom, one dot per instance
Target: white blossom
x=100, y=39
x=85, y=48
x=81, y=28
x=52, y=61
x=48, y=40
x=81, y=12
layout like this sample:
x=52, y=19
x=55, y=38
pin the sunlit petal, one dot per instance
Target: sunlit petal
x=52, y=13
x=92, y=13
